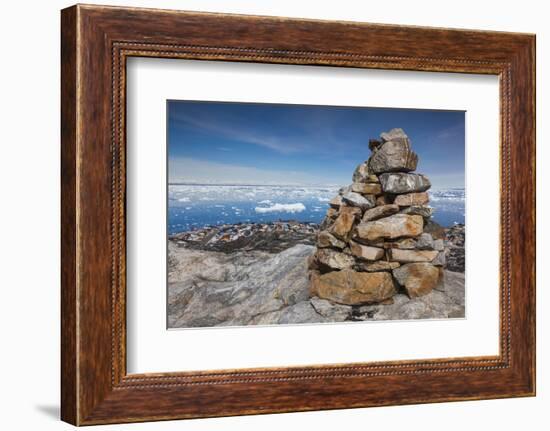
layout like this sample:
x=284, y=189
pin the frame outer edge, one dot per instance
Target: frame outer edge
x=531, y=65
x=523, y=216
x=532, y=83
x=533, y=56
x=87, y=396
x=69, y=194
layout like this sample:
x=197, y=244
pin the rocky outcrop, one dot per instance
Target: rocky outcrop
x=383, y=226
x=256, y=287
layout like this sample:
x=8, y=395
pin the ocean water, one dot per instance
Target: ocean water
x=196, y=206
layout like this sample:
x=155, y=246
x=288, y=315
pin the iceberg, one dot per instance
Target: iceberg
x=289, y=208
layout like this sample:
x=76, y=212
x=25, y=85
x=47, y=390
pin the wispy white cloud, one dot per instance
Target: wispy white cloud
x=452, y=132
x=231, y=129
x=309, y=132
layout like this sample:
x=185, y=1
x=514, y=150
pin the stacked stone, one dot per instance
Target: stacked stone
x=372, y=241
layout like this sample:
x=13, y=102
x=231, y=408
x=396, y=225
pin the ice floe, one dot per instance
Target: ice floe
x=289, y=208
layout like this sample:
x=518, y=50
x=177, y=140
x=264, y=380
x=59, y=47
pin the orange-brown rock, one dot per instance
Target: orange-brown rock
x=366, y=188
x=352, y=288
x=418, y=279
x=336, y=201
x=410, y=199
x=366, y=252
x=328, y=221
x=325, y=239
x=395, y=226
x=380, y=265
x=333, y=259
x=404, y=244
x=375, y=243
x=379, y=212
x=406, y=256
x=313, y=276
x=344, y=222
x=332, y=213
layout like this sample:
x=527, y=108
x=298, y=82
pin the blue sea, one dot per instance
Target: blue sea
x=196, y=206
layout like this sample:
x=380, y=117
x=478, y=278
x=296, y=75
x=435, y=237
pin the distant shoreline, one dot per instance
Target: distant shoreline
x=245, y=223
x=277, y=236
x=270, y=236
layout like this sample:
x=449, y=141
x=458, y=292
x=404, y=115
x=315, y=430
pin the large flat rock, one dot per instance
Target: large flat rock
x=217, y=289
x=349, y=287
x=394, y=226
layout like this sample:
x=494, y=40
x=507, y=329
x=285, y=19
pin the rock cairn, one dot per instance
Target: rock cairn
x=373, y=242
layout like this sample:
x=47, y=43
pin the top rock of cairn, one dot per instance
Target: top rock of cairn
x=392, y=153
x=372, y=241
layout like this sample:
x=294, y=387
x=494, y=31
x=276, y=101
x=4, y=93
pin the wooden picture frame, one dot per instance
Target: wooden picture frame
x=95, y=43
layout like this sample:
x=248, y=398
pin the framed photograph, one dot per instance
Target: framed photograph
x=266, y=215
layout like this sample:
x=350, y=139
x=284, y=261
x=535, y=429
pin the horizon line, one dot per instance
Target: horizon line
x=184, y=183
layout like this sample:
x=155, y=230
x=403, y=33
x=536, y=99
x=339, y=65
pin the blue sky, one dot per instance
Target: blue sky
x=248, y=143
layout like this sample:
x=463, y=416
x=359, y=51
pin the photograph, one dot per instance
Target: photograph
x=285, y=214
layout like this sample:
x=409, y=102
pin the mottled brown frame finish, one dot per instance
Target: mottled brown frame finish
x=95, y=42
